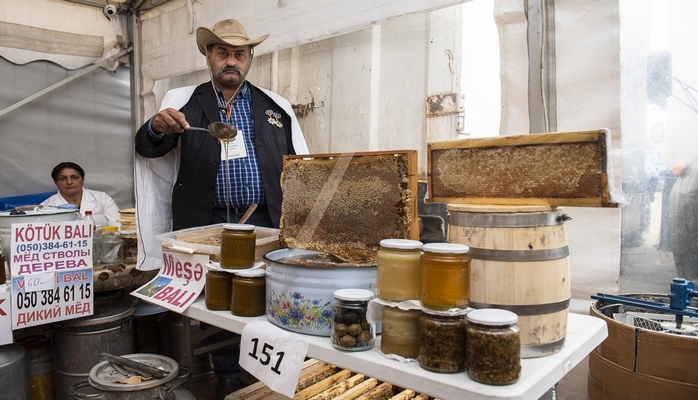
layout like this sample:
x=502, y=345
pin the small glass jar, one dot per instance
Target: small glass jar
x=445, y=276
x=249, y=294
x=442, y=342
x=493, y=346
x=111, y=246
x=238, y=243
x=400, y=332
x=398, y=269
x=218, y=290
x=350, y=329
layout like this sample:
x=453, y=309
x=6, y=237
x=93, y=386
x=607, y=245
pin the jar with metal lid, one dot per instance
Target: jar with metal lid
x=442, y=342
x=218, y=289
x=398, y=269
x=110, y=246
x=249, y=295
x=350, y=329
x=493, y=346
x=445, y=276
x=238, y=243
x=400, y=332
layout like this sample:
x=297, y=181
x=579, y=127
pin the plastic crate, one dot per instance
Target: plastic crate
x=206, y=240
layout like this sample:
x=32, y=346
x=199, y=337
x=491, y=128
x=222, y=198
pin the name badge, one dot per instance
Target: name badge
x=236, y=148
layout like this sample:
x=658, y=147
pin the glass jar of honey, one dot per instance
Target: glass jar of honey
x=493, y=346
x=217, y=290
x=445, y=276
x=442, y=342
x=400, y=332
x=238, y=243
x=249, y=293
x=398, y=269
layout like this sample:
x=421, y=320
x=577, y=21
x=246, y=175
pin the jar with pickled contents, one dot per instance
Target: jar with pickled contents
x=398, y=269
x=442, y=342
x=400, y=332
x=493, y=346
x=111, y=246
x=217, y=290
x=238, y=243
x=445, y=276
x=351, y=330
x=249, y=293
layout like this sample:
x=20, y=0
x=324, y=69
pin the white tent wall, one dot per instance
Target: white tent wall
x=85, y=120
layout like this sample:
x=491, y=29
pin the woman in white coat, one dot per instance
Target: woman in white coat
x=69, y=178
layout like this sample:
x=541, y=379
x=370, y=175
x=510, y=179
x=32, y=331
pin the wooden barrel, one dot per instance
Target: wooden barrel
x=519, y=262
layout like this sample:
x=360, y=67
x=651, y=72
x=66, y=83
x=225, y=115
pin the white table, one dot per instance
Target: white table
x=538, y=375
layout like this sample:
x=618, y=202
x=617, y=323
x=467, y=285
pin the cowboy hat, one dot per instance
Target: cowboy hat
x=229, y=32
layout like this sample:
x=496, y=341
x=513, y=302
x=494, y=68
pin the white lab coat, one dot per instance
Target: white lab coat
x=154, y=179
x=104, y=209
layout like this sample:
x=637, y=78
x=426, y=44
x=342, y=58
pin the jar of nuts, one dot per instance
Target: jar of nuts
x=350, y=329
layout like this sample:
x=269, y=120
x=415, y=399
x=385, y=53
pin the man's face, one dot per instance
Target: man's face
x=69, y=182
x=229, y=64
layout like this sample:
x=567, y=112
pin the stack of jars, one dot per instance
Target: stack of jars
x=238, y=287
x=443, y=332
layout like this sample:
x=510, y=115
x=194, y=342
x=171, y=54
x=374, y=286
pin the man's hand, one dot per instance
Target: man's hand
x=169, y=120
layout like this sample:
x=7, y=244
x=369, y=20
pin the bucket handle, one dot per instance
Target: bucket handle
x=168, y=392
x=77, y=395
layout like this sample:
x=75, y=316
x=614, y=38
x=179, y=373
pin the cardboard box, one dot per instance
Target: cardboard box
x=206, y=240
x=638, y=363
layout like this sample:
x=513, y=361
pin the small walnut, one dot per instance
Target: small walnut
x=354, y=329
x=351, y=318
x=340, y=329
x=347, y=341
x=364, y=337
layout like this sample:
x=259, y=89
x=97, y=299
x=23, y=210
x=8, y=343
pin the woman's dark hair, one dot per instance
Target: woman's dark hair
x=66, y=164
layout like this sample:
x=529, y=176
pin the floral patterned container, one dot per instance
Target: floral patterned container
x=301, y=286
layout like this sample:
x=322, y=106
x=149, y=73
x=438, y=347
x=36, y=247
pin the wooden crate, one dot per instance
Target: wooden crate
x=555, y=169
x=322, y=381
x=345, y=204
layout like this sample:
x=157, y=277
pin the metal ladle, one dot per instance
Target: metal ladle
x=219, y=130
x=224, y=133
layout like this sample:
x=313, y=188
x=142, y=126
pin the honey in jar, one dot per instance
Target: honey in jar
x=398, y=269
x=217, y=290
x=442, y=342
x=400, y=332
x=493, y=347
x=248, y=298
x=238, y=243
x=445, y=276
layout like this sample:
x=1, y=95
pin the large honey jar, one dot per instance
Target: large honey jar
x=400, y=332
x=249, y=293
x=398, y=269
x=493, y=346
x=442, y=342
x=445, y=276
x=217, y=290
x=238, y=246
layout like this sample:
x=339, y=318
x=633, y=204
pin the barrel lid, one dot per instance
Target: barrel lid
x=446, y=248
x=238, y=227
x=402, y=244
x=492, y=317
x=354, y=294
x=251, y=273
x=33, y=342
x=487, y=208
x=11, y=353
x=105, y=377
x=103, y=314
